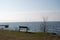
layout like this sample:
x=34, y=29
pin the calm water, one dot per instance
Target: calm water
x=33, y=26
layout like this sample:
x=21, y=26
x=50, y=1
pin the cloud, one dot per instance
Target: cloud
x=29, y=16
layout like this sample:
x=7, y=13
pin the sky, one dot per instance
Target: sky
x=29, y=10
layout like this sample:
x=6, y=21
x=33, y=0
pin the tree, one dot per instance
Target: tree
x=44, y=24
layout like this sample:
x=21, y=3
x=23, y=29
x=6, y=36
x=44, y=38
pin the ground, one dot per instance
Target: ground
x=16, y=35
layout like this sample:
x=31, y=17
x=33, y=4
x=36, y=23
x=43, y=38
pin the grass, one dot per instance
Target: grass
x=15, y=35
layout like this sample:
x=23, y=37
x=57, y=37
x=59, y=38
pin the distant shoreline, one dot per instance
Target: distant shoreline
x=33, y=21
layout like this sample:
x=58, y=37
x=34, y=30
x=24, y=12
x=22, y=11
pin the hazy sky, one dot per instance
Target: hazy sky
x=29, y=10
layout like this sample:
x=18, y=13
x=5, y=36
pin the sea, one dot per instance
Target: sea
x=51, y=26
